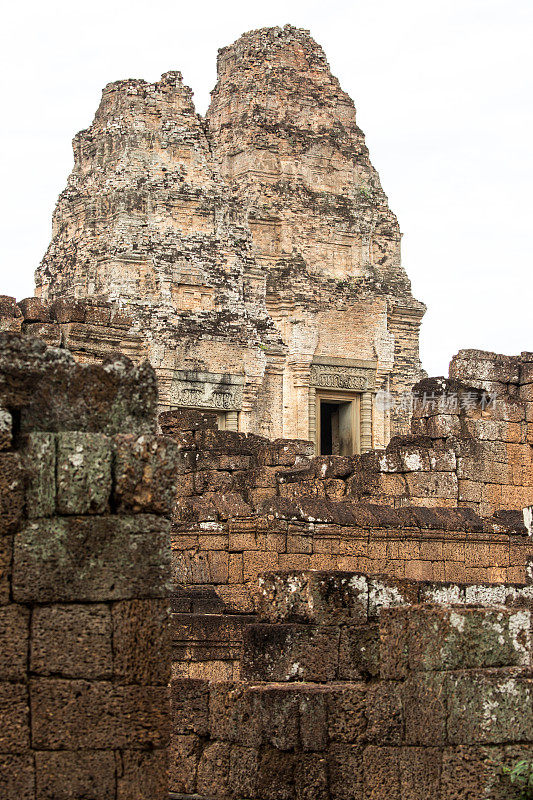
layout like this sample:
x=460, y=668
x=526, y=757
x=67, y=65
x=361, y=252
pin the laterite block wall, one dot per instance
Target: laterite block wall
x=85, y=493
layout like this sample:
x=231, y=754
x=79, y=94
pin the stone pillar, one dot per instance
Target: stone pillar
x=366, y=421
x=300, y=402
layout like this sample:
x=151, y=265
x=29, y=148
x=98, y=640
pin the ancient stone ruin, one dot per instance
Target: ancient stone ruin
x=248, y=550
x=253, y=254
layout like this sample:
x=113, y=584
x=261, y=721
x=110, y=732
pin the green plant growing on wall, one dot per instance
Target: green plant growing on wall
x=521, y=777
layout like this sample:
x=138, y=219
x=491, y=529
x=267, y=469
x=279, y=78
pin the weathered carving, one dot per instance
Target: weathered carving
x=325, y=376
x=207, y=390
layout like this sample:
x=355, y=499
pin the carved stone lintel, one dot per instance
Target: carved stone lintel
x=220, y=392
x=358, y=379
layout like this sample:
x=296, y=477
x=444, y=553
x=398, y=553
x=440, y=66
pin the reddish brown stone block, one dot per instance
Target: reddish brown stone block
x=6, y=554
x=145, y=469
x=141, y=642
x=79, y=714
x=65, y=310
x=345, y=767
x=14, y=639
x=142, y=775
x=359, y=652
x=424, y=702
x=184, y=755
x=82, y=773
x=313, y=713
x=97, y=314
x=72, y=641
x=278, y=707
x=346, y=713
x=235, y=714
x=34, y=310
x=311, y=777
x=14, y=713
x=91, y=559
x=243, y=771
x=49, y=332
x=394, y=651
x=381, y=771
x=11, y=491
x=290, y=652
x=384, y=711
x=213, y=770
x=472, y=772
x=276, y=775
x=190, y=707
x=420, y=771
x=17, y=777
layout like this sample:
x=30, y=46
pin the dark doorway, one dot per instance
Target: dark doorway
x=336, y=428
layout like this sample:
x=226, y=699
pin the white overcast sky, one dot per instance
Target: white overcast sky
x=443, y=90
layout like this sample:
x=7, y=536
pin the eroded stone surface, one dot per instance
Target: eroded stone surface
x=251, y=256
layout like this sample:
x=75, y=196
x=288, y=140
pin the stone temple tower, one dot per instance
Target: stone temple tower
x=254, y=249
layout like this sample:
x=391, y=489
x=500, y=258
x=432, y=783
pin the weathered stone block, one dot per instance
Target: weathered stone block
x=141, y=641
x=319, y=597
x=420, y=771
x=142, y=775
x=359, y=652
x=346, y=713
x=92, y=559
x=425, y=710
x=6, y=554
x=184, y=755
x=11, y=491
x=81, y=773
x=311, y=777
x=489, y=707
x=190, y=707
x=278, y=707
x=394, y=651
x=243, y=771
x=234, y=714
x=14, y=639
x=213, y=770
x=381, y=770
x=67, y=310
x=313, y=713
x=275, y=780
x=34, y=310
x=74, y=714
x=83, y=473
x=14, y=713
x=145, y=473
x=460, y=638
x=290, y=652
x=6, y=429
x=40, y=464
x=345, y=767
x=17, y=777
x=72, y=641
x=384, y=711
x=49, y=332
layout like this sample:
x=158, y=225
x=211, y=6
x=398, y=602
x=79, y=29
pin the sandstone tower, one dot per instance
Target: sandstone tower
x=254, y=252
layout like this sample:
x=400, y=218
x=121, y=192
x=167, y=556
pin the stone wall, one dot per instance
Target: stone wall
x=353, y=688
x=85, y=491
x=443, y=503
